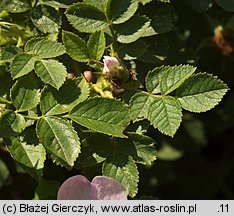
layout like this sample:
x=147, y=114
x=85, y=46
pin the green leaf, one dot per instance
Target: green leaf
x=171, y=77
x=144, y=147
x=165, y=114
x=139, y=127
x=133, y=29
x=152, y=81
x=86, y=18
x=161, y=22
x=201, y=92
x=46, y=19
x=9, y=53
x=168, y=78
x=58, y=3
x=122, y=10
x=25, y=93
x=122, y=168
x=31, y=43
x=95, y=149
x=30, y=157
x=16, y=6
x=60, y=140
x=21, y=65
x=43, y=48
x=144, y=1
x=227, y=5
x=104, y=115
x=139, y=147
x=101, y=4
x=97, y=45
x=75, y=47
x=140, y=105
x=133, y=50
x=51, y=72
x=54, y=102
x=11, y=124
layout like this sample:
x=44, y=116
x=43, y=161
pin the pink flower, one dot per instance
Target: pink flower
x=111, y=64
x=101, y=188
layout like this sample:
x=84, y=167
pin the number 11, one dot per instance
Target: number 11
x=224, y=208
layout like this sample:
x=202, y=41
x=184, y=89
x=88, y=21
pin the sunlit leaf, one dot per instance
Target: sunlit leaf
x=86, y=18
x=60, y=140
x=51, y=72
x=103, y=115
x=21, y=65
x=201, y=92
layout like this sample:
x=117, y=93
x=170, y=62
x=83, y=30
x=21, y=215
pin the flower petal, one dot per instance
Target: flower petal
x=101, y=188
x=108, y=189
x=76, y=188
x=109, y=63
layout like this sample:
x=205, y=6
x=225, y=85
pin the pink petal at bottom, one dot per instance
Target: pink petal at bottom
x=76, y=188
x=101, y=188
x=108, y=189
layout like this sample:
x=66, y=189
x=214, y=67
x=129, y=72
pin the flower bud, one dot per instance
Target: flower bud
x=88, y=75
x=111, y=65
